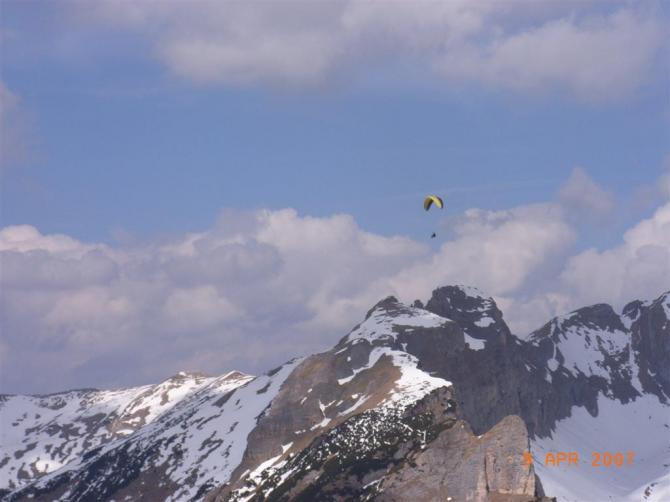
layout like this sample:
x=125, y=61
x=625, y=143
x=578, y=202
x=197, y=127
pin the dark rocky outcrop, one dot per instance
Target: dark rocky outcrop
x=512, y=376
x=650, y=330
x=462, y=466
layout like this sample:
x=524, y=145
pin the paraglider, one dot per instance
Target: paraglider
x=433, y=200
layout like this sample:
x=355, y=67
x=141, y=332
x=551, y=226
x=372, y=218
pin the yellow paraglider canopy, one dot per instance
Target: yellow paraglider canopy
x=432, y=199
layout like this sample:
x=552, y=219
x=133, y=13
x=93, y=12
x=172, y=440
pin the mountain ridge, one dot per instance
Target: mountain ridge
x=397, y=356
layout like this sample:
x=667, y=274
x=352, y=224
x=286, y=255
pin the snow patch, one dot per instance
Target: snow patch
x=413, y=383
x=584, y=349
x=361, y=400
x=323, y=423
x=605, y=432
x=484, y=322
x=474, y=343
x=380, y=325
x=471, y=291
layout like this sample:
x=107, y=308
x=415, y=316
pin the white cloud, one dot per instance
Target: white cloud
x=27, y=238
x=601, y=57
x=196, y=309
x=584, y=198
x=648, y=196
x=265, y=279
x=260, y=287
x=495, y=250
x=519, y=46
x=40, y=269
x=635, y=268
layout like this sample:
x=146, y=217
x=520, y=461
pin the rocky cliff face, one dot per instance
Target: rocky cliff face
x=568, y=362
x=415, y=401
x=649, y=325
x=422, y=452
x=461, y=466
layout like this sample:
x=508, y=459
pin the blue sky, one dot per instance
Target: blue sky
x=168, y=160
x=148, y=152
x=134, y=126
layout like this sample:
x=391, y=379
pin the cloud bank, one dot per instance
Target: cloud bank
x=588, y=50
x=260, y=287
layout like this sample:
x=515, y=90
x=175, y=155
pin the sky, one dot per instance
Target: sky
x=210, y=186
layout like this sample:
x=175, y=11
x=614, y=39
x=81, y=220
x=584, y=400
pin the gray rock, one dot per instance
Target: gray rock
x=462, y=466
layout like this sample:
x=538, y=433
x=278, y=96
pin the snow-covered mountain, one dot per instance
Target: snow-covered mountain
x=41, y=434
x=626, y=358
x=417, y=402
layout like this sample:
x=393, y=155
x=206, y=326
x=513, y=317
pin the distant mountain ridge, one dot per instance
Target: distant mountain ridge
x=420, y=383
x=53, y=430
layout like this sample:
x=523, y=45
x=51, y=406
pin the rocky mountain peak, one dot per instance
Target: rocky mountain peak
x=661, y=307
x=389, y=305
x=477, y=314
x=187, y=375
x=459, y=300
x=389, y=318
x=236, y=375
x=650, y=331
x=599, y=316
x=632, y=310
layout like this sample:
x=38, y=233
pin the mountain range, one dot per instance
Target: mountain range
x=434, y=401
